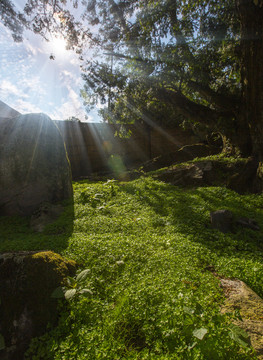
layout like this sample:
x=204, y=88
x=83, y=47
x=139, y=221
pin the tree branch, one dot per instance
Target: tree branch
x=116, y=9
x=180, y=38
x=224, y=102
x=192, y=110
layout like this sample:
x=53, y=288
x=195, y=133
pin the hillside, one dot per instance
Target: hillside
x=155, y=263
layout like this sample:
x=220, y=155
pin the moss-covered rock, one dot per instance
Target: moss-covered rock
x=238, y=175
x=250, y=305
x=27, y=281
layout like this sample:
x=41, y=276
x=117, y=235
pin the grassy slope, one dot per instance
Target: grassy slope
x=150, y=251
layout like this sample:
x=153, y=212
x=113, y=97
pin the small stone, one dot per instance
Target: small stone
x=222, y=220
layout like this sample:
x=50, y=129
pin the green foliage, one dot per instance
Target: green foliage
x=186, y=47
x=58, y=293
x=16, y=233
x=2, y=342
x=239, y=335
x=75, y=287
x=150, y=249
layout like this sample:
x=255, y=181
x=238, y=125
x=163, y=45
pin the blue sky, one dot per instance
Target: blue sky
x=32, y=82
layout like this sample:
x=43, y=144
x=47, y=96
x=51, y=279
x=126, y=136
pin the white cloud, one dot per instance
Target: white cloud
x=33, y=86
x=71, y=75
x=25, y=107
x=66, y=73
x=74, y=61
x=69, y=78
x=32, y=50
x=7, y=89
x=71, y=107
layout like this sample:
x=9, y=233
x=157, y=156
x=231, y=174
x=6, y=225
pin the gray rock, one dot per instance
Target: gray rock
x=27, y=280
x=45, y=215
x=34, y=167
x=222, y=220
x=188, y=174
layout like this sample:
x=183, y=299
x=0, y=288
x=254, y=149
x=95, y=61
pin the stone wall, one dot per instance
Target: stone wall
x=7, y=112
x=96, y=147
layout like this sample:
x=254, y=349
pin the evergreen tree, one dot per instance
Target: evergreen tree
x=165, y=60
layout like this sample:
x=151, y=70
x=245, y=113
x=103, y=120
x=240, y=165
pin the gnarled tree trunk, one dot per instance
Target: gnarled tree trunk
x=251, y=20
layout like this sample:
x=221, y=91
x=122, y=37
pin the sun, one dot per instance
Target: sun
x=58, y=45
x=57, y=48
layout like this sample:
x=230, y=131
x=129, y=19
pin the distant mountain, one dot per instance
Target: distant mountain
x=6, y=111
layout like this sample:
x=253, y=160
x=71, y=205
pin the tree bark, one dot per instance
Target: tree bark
x=251, y=22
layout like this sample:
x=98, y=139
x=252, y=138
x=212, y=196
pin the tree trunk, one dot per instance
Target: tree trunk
x=251, y=20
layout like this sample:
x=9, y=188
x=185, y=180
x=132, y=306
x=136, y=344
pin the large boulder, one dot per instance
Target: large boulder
x=34, y=167
x=237, y=175
x=27, y=281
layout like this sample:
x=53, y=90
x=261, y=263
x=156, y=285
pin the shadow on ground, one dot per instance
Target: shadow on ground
x=17, y=235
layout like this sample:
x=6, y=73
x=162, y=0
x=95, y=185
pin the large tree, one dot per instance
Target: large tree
x=199, y=59
x=164, y=60
x=251, y=68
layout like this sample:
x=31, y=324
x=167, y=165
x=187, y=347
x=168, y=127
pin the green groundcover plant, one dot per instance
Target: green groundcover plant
x=145, y=289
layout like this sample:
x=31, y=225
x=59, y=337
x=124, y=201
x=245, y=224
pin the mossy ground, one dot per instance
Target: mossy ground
x=150, y=249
